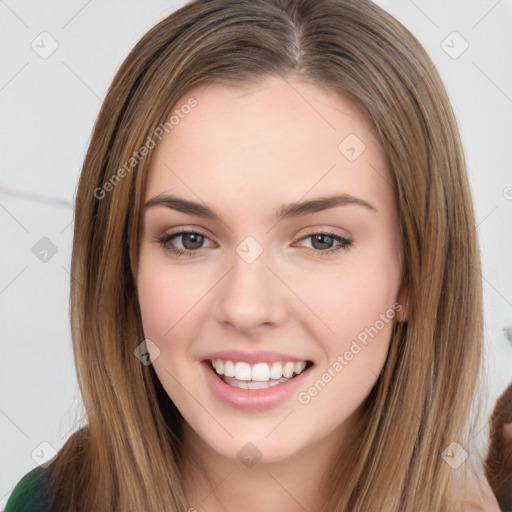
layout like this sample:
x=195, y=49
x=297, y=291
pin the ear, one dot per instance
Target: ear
x=402, y=308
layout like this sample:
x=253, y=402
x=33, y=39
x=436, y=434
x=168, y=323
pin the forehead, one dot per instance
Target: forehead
x=277, y=140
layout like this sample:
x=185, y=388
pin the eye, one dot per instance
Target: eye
x=191, y=242
x=320, y=241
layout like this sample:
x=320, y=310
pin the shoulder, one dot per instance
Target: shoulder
x=30, y=493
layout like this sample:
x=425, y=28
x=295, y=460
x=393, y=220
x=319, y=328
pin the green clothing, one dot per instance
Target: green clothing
x=29, y=494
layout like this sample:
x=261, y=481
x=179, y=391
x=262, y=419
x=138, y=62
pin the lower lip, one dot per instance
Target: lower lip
x=252, y=399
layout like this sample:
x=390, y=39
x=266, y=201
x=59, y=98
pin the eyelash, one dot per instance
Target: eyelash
x=344, y=243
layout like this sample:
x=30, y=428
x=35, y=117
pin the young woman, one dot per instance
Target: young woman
x=275, y=302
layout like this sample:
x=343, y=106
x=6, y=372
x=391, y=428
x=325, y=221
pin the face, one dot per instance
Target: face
x=258, y=288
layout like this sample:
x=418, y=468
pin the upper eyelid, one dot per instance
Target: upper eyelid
x=344, y=242
x=185, y=230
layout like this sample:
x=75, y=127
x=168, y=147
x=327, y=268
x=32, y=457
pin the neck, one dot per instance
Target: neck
x=216, y=483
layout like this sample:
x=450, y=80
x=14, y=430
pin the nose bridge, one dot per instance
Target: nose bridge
x=250, y=294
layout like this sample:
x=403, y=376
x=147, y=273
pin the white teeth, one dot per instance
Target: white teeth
x=242, y=371
x=256, y=385
x=259, y=372
x=288, y=369
x=219, y=367
x=276, y=371
x=298, y=367
x=229, y=369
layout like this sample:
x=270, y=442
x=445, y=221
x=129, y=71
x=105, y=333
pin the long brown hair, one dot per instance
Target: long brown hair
x=128, y=455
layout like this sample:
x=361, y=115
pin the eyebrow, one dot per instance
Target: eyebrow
x=285, y=211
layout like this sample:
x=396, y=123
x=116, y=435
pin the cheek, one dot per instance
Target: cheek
x=359, y=314
x=166, y=299
x=355, y=306
x=157, y=305
x=354, y=297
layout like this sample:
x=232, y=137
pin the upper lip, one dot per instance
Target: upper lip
x=253, y=357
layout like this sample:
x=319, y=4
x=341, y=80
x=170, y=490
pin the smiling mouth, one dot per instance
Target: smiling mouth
x=257, y=376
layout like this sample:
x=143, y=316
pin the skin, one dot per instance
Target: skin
x=244, y=152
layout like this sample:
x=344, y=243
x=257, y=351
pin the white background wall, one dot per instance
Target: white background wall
x=48, y=108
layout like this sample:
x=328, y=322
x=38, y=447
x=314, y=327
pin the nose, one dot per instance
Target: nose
x=251, y=296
